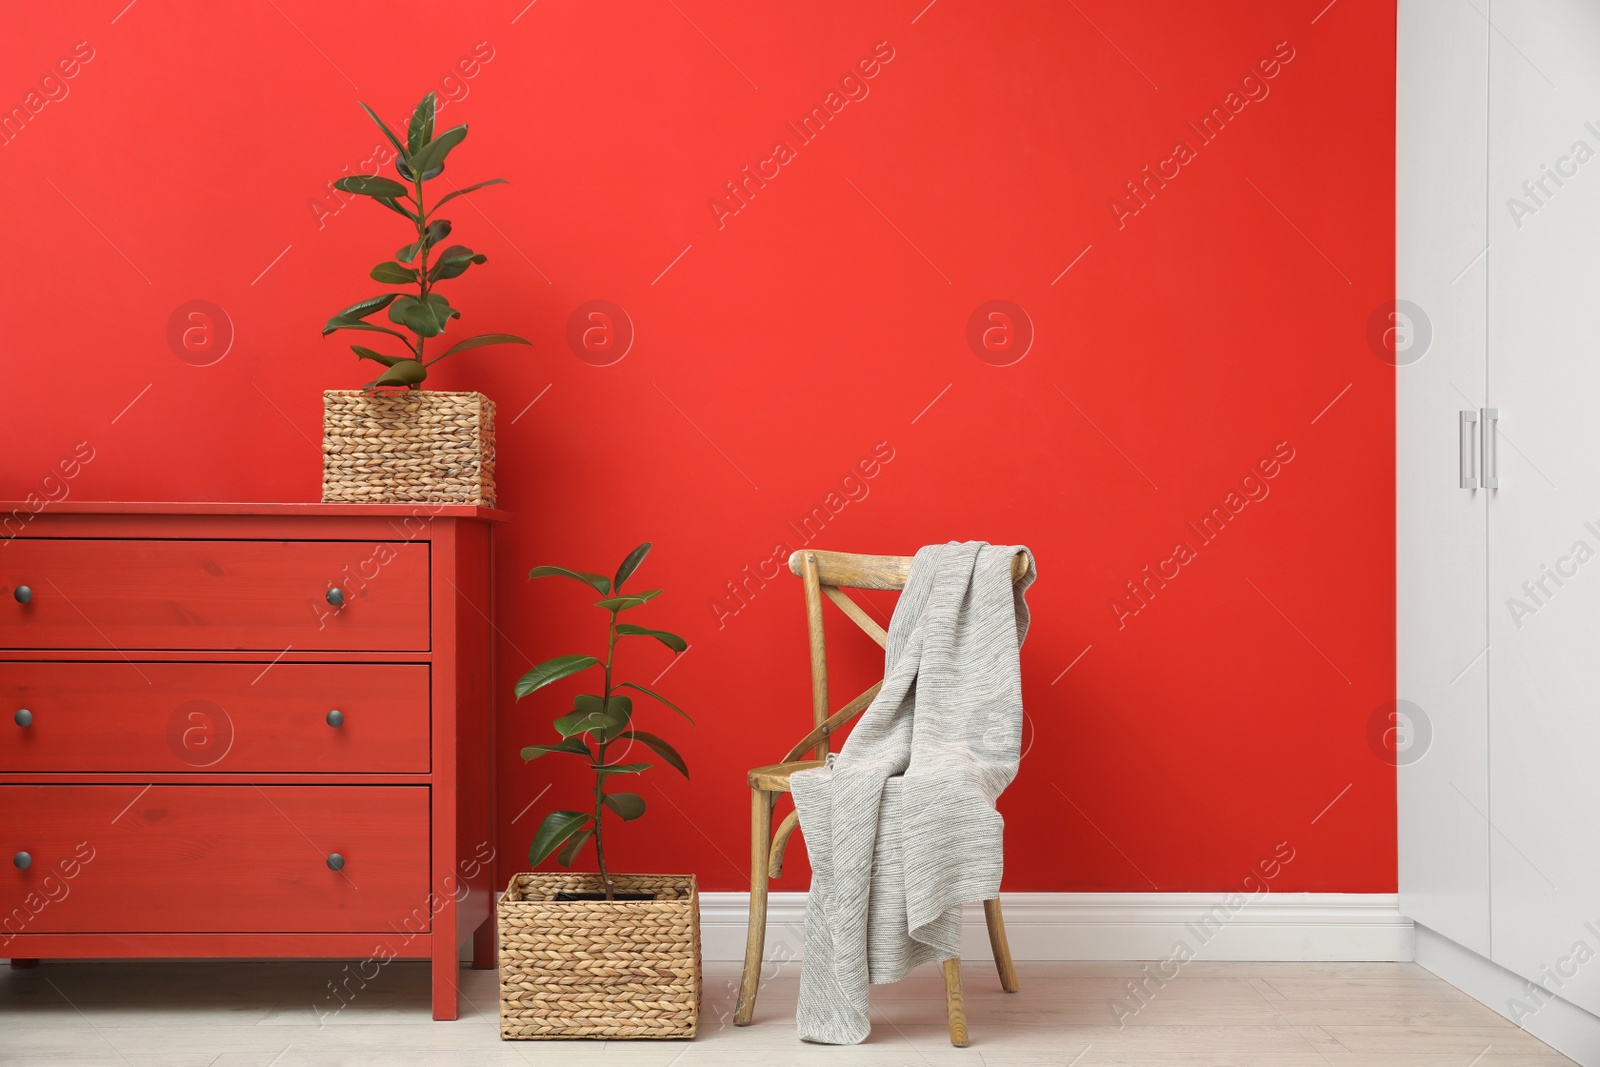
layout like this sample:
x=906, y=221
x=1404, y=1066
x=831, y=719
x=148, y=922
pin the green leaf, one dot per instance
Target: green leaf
x=454, y=261
x=588, y=716
x=421, y=129
x=630, y=565
x=672, y=641
x=552, y=670
x=556, y=828
x=657, y=696
x=447, y=197
x=567, y=744
x=478, y=341
x=601, y=583
x=376, y=357
x=569, y=851
x=406, y=372
x=590, y=702
x=623, y=603
x=357, y=324
x=432, y=154
x=387, y=132
x=426, y=317
x=392, y=273
x=362, y=309
x=435, y=232
x=628, y=805
x=606, y=770
x=601, y=725
x=661, y=748
x=368, y=185
x=395, y=206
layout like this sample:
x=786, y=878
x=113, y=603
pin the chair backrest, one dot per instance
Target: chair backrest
x=825, y=574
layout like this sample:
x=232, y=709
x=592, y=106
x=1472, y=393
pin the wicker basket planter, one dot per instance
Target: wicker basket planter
x=600, y=969
x=410, y=447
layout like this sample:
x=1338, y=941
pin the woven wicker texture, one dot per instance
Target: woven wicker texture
x=618, y=969
x=418, y=447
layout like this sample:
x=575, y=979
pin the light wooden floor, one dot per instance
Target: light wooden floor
x=241, y=1014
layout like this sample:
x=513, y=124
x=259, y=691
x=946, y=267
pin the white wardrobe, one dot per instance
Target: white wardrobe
x=1498, y=495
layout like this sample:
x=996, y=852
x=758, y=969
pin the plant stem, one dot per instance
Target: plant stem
x=422, y=270
x=599, y=779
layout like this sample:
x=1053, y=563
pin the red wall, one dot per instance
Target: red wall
x=824, y=323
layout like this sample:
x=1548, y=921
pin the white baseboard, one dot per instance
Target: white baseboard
x=1122, y=926
x=1562, y=1025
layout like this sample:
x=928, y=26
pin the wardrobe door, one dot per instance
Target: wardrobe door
x=1441, y=724
x=1544, y=517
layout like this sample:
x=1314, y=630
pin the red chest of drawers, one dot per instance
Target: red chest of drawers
x=248, y=730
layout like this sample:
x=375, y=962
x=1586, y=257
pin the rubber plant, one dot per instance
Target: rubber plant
x=600, y=723
x=423, y=313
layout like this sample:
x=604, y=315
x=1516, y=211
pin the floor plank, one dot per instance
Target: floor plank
x=1083, y=1014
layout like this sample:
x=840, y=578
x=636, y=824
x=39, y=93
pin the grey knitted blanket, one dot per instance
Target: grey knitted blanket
x=900, y=825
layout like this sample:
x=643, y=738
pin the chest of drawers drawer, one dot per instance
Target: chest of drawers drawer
x=156, y=718
x=264, y=596
x=202, y=859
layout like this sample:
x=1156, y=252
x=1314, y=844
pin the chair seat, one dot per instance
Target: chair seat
x=774, y=778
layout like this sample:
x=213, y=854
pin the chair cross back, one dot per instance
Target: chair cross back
x=827, y=574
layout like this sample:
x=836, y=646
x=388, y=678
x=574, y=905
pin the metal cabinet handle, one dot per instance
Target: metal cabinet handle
x=1468, y=452
x=335, y=862
x=335, y=596
x=1491, y=448
x=23, y=717
x=22, y=861
x=22, y=593
x=335, y=718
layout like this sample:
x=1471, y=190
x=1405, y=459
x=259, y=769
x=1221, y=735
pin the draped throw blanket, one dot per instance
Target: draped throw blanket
x=900, y=825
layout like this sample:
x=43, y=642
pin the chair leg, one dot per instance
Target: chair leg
x=955, y=1005
x=761, y=804
x=1001, y=947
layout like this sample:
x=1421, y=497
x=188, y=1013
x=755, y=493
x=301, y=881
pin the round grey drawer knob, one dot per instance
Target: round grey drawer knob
x=23, y=717
x=335, y=718
x=22, y=861
x=335, y=862
x=22, y=593
x=335, y=596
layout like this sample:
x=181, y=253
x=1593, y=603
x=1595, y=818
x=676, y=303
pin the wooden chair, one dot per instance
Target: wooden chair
x=825, y=574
